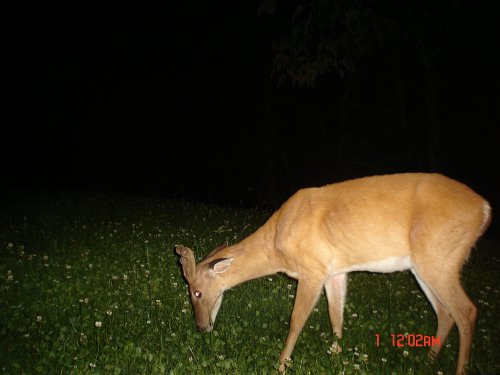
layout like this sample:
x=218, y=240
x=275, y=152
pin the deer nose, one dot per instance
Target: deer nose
x=201, y=328
x=208, y=328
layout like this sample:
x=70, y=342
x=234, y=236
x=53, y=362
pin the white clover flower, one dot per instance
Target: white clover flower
x=356, y=366
x=109, y=312
x=39, y=318
x=98, y=324
x=405, y=353
x=335, y=348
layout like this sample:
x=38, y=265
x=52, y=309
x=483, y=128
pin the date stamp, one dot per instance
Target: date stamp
x=409, y=340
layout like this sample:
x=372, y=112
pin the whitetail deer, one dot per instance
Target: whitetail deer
x=426, y=223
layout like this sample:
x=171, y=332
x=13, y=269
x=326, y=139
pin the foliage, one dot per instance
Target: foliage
x=326, y=36
x=91, y=284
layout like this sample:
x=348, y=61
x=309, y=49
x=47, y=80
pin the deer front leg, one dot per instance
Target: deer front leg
x=335, y=288
x=307, y=294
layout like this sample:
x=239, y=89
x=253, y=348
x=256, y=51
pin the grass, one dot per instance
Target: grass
x=91, y=284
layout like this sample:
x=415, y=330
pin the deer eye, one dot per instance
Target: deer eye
x=197, y=294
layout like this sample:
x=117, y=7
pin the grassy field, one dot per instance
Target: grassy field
x=91, y=284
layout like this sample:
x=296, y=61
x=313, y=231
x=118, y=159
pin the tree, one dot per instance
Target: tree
x=344, y=37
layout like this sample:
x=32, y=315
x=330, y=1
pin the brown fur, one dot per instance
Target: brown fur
x=423, y=222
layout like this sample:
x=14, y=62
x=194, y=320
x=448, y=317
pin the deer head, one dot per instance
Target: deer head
x=206, y=286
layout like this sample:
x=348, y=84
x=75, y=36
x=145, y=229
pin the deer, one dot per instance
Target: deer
x=423, y=222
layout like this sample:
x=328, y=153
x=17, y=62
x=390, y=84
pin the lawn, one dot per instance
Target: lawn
x=91, y=284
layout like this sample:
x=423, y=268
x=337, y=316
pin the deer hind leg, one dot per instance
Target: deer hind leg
x=445, y=320
x=307, y=295
x=335, y=288
x=447, y=291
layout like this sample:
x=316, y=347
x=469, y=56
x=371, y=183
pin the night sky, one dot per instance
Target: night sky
x=184, y=100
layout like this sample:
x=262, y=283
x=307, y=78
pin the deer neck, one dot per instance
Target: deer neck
x=254, y=257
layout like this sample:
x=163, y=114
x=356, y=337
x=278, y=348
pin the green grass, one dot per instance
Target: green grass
x=91, y=284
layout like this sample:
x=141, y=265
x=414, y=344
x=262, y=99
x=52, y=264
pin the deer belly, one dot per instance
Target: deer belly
x=389, y=264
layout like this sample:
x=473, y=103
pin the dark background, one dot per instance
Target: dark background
x=190, y=100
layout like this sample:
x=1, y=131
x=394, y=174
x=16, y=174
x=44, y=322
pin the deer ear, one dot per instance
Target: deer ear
x=221, y=265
